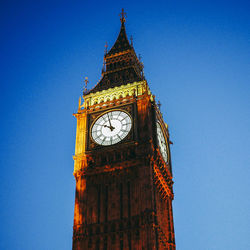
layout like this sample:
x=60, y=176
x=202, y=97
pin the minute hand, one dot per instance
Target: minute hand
x=111, y=127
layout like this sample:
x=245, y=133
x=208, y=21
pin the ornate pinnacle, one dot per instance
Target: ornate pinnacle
x=105, y=53
x=122, y=16
x=79, y=103
x=106, y=48
x=86, y=83
x=159, y=105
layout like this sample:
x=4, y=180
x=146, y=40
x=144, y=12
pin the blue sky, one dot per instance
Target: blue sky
x=196, y=57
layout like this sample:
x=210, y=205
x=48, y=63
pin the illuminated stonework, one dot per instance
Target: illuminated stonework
x=101, y=97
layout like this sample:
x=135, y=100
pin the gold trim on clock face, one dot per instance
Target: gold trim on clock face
x=162, y=142
x=111, y=127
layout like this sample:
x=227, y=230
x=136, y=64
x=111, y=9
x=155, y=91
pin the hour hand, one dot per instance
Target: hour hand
x=110, y=127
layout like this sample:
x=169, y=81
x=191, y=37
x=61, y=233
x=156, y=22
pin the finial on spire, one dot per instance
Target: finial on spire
x=122, y=16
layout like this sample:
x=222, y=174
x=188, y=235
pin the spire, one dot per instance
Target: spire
x=122, y=42
x=121, y=65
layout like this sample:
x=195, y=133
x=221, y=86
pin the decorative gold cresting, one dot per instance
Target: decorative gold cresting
x=130, y=89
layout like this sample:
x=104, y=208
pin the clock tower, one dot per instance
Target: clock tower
x=122, y=161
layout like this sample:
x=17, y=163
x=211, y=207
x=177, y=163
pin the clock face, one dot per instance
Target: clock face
x=111, y=128
x=162, y=142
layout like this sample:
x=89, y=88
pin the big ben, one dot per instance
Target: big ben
x=122, y=161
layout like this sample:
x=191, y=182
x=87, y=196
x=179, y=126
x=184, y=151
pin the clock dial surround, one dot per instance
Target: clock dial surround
x=162, y=142
x=111, y=127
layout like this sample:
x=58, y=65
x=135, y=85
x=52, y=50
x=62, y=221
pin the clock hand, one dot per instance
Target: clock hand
x=109, y=121
x=106, y=126
x=111, y=127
